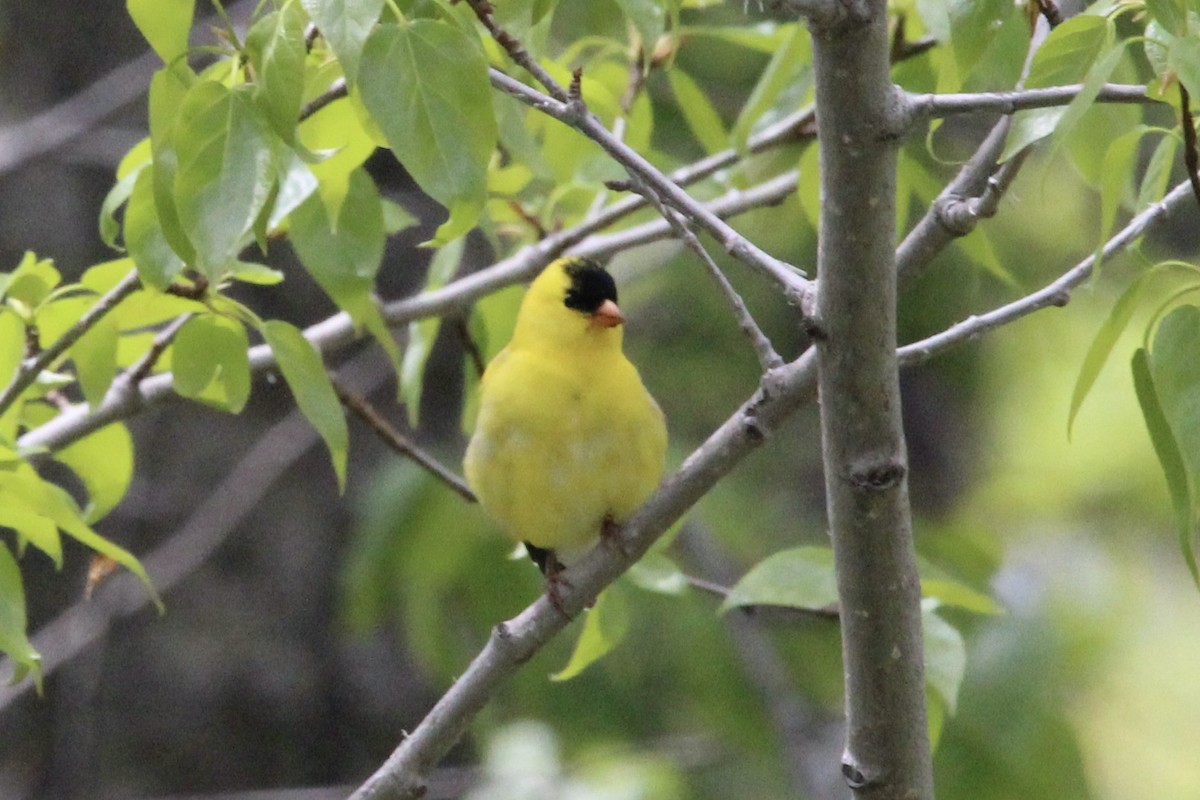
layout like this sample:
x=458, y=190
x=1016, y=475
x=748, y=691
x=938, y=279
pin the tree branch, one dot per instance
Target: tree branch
x=791, y=281
x=397, y=441
x=768, y=359
x=512, y=643
x=887, y=738
x=338, y=330
x=1055, y=294
x=929, y=106
x=27, y=373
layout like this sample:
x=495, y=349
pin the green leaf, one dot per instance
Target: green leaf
x=22, y=515
x=786, y=76
x=1102, y=346
x=604, y=626
x=1119, y=160
x=426, y=84
x=423, y=333
x=13, y=639
x=1177, y=378
x=168, y=88
x=164, y=23
x=95, y=357
x=209, y=362
x=952, y=593
x=1158, y=172
x=1169, y=457
x=306, y=376
x=345, y=24
x=800, y=577
x=277, y=51
x=655, y=572
x=1184, y=58
x=1170, y=14
x=157, y=263
x=338, y=130
x=225, y=172
x=110, y=229
x=648, y=18
x=52, y=501
x=1065, y=57
x=32, y=281
x=702, y=119
x=345, y=260
x=104, y=462
x=945, y=656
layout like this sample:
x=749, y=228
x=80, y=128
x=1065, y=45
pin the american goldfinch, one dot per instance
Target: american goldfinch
x=568, y=440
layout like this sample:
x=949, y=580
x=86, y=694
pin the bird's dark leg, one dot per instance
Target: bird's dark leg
x=610, y=534
x=547, y=561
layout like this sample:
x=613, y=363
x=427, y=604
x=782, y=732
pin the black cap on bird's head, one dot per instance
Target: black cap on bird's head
x=592, y=291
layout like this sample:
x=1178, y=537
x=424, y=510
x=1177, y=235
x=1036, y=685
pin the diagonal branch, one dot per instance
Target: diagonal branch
x=338, y=330
x=794, y=286
x=1055, y=294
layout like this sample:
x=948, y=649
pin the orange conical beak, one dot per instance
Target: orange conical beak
x=608, y=315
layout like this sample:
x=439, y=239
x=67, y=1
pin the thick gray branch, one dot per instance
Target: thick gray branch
x=860, y=111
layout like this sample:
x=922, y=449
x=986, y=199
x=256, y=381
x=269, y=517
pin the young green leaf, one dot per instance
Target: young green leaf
x=1177, y=378
x=1169, y=457
x=95, y=358
x=209, y=362
x=604, y=626
x=345, y=259
x=168, y=88
x=305, y=374
x=14, y=641
x=702, y=119
x=276, y=46
x=800, y=577
x=426, y=84
x=157, y=262
x=788, y=73
x=53, y=501
x=345, y=24
x=648, y=18
x=423, y=333
x=164, y=23
x=945, y=655
x=338, y=131
x=1065, y=58
x=225, y=172
x=1102, y=346
x=104, y=462
x=32, y=526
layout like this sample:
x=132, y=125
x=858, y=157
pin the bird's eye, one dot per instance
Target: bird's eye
x=590, y=287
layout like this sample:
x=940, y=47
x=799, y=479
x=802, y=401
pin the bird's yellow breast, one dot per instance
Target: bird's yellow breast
x=565, y=437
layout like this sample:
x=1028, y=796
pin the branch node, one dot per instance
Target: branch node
x=754, y=432
x=956, y=214
x=855, y=778
x=1060, y=298
x=878, y=476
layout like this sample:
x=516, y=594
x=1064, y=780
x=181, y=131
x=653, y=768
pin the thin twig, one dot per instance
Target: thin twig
x=141, y=370
x=768, y=359
x=363, y=409
x=27, y=373
x=519, y=55
x=1191, y=158
x=336, y=91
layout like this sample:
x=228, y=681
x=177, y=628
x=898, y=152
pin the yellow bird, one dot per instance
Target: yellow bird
x=567, y=440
